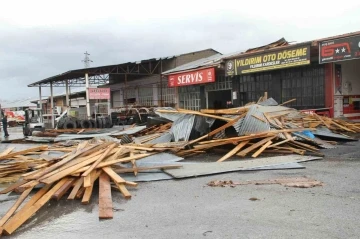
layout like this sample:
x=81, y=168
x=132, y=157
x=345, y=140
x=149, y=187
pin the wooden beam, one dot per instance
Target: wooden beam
x=18, y=219
x=7, y=151
x=105, y=200
x=287, y=102
x=195, y=113
x=22, y=152
x=254, y=146
x=13, y=186
x=12, y=210
x=257, y=153
x=124, y=191
x=114, y=176
x=233, y=151
x=64, y=188
x=76, y=188
x=101, y=158
x=227, y=125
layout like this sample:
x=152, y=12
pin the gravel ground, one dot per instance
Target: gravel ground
x=191, y=209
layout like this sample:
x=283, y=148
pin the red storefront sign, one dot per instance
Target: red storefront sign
x=99, y=93
x=192, y=77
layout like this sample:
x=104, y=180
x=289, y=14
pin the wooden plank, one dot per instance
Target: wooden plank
x=101, y=158
x=30, y=184
x=60, y=193
x=319, y=118
x=105, y=200
x=77, y=185
x=13, y=186
x=227, y=125
x=72, y=163
x=87, y=195
x=287, y=102
x=257, y=153
x=22, y=216
x=139, y=169
x=231, y=111
x=258, y=118
x=80, y=193
x=279, y=143
x=114, y=176
x=7, y=151
x=237, y=139
x=195, y=113
x=254, y=146
x=88, y=191
x=139, y=148
x=65, y=160
x=124, y=191
x=22, y=152
x=131, y=184
x=12, y=210
x=87, y=180
x=68, y=171
x=233, y=151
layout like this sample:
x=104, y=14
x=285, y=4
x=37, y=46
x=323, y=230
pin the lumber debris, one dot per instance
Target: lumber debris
x=73, y=170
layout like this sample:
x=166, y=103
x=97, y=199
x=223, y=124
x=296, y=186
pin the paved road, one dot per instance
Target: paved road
x=190, y=209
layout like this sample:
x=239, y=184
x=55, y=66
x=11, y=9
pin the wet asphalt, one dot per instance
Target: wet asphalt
x=190, y=209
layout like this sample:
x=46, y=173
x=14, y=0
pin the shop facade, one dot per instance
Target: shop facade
x=341, y=57
x=144, y=85
x=285, y=73
x=201, y=88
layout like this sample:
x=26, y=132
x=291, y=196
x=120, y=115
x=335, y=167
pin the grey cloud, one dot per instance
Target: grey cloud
x=31, y=54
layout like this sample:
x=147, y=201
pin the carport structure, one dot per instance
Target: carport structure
x=101, y=75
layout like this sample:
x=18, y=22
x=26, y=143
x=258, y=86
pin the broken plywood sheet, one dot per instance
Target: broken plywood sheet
x=193, y=170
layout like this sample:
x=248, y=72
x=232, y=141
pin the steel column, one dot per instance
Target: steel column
x=87, y=96
x=52, y=105
x=40, y=97
x=67, y=93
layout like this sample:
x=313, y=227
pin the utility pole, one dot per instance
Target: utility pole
x=87, y=64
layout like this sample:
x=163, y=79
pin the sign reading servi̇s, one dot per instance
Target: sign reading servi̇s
x=295, y=56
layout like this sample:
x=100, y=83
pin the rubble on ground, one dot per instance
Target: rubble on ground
x=88, y=156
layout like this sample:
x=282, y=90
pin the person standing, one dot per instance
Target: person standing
x=5, y=125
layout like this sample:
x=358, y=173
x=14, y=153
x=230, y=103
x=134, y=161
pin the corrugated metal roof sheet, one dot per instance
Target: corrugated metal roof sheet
x=269, y=102
x=201, y=63
x=251, y=124
x=182, y=127
x=165, y=138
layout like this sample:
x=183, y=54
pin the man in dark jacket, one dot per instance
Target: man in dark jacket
x=5, y=125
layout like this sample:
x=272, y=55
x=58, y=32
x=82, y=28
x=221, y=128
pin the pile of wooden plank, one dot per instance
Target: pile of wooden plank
x=75, y=174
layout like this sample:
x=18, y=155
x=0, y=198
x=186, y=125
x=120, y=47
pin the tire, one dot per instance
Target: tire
x=99, y=123
x=70, y=124
x=103, y=123
x=108, y=122
x=93, y=124
x=61, y=123
x=85, y=124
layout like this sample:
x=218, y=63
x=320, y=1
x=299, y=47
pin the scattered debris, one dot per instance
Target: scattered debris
x=254, y=199
x=298, y=182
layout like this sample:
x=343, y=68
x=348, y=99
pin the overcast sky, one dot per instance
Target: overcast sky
x=42, y=38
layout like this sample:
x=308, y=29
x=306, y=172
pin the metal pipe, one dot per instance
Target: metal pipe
x=52, y=105
x=87, y=96
x=161, y=85
x=40, y=97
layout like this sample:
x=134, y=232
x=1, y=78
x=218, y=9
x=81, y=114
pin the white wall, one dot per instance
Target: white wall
x=350, y=77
